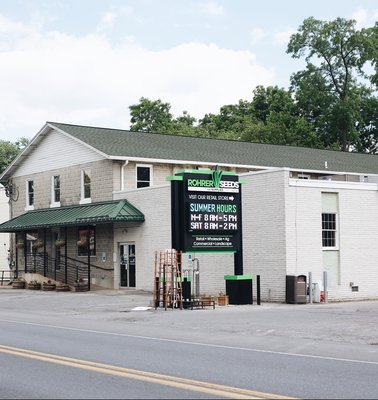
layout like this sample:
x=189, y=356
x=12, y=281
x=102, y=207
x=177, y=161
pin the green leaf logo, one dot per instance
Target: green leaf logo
x=217, y=176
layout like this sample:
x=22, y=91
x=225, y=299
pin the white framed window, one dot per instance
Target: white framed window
x=143, y=175
x=29, y=195
x=55, y=191
x=85, y=186
x=329, y=231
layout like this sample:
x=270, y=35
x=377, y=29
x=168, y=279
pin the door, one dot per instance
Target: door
x=127, y=265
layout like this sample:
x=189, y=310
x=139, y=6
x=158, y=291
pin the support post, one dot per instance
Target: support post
x=177, y=239
x=310, y=287
x=258, y=298
x=44, y=252
x=325, y=286
x=65, y=256
x=89, y=256
x=25, y=252
x=238, y=257
x=16, y=271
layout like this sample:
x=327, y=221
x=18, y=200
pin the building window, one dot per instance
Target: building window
x=82, y=242
x=29, y=194
x=329, y=230
x=143, y=175
x=55, y=194
x=85, y=186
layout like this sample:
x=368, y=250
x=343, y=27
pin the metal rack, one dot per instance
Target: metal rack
x=168, y=279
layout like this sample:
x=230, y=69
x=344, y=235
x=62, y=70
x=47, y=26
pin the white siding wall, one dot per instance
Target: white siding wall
x=4, y=237
x=358, y=244
x=264, y=239
x=56, y=151
x=303, y=231
x=358, y=234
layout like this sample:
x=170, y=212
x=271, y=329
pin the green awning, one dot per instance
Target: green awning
x=93, y=213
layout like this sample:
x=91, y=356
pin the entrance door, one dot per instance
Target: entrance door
x=127, y=264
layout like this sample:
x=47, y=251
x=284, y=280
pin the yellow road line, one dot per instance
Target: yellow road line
x=161, y=379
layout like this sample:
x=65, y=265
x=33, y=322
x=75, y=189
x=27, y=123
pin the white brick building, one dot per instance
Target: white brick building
x=304, y=210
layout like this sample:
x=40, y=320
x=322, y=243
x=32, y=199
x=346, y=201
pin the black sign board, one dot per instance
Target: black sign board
x=206, y=211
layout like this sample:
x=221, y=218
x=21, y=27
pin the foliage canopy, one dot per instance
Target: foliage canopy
x=332, y=103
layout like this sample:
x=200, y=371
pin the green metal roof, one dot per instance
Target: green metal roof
x=94, y=213
x=122, y=143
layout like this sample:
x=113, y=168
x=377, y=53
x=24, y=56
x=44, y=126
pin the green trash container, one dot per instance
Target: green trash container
x=239, y=289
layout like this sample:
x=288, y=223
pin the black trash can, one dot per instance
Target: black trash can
x=186, y=292
x=296, y=292
x=239, y=289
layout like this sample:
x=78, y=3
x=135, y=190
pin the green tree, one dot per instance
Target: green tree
x=272, y=99
x=154, y=116
x=370, y=54
x=186, y=119
x=9, y=151
x=329, y=90
x=271, y=117
x=150, y=116
x=367, y=126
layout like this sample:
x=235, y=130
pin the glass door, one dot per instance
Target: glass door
x=127, y=265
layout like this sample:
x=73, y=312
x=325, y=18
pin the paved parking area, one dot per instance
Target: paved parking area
x=348, y=323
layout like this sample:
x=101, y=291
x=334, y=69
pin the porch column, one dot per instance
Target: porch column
x=89, y=257
x=65, y=255
x=25, y=251
x=15, y=275
x=44, y=252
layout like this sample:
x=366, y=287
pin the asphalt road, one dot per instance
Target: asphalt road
x=111, y=349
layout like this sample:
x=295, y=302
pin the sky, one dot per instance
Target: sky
x=86, y=61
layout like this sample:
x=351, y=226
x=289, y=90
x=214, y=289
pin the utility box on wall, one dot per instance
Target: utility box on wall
x=296, y=290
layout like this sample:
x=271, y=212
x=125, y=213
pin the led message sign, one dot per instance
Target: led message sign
x=207, y=213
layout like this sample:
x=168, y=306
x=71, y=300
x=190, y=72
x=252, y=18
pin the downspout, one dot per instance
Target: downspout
x=123, y=174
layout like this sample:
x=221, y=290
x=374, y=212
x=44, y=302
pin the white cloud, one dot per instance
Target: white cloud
x=361, y=16
x=8, y=26
x=365, y=18
x=109, y=18
x=212, y=7
x=107, y=21
x=283, y=37
x=85, y=80
x=257, y=35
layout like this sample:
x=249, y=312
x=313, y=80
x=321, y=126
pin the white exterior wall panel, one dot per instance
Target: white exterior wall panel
x=303, y=232
x=151, y=235
x=56, y=151
x=358, y=244
x=357, y=249
x=264, y=240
